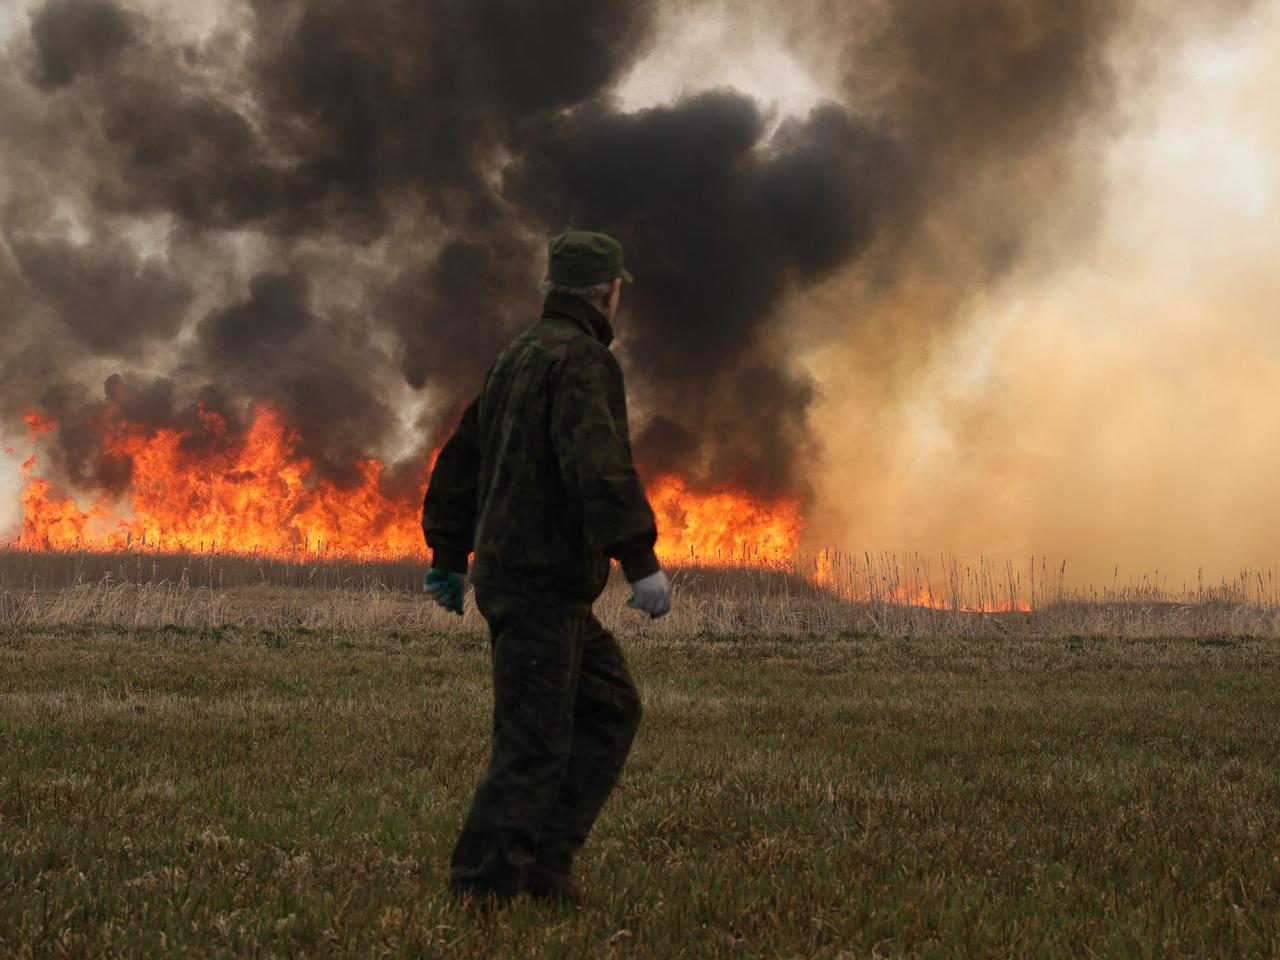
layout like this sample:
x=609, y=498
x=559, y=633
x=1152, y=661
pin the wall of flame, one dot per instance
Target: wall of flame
x=261, y=496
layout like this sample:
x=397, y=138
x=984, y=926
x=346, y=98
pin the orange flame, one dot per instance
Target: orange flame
x=49, y=522
x=38, y=423
x=724, y=526
x=845, y=577
x=205, y=492
x=259, y=495
x=924, y=597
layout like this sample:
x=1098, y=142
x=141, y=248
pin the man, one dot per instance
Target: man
x=537, y=480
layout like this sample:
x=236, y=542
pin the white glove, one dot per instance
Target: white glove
x=652, y=594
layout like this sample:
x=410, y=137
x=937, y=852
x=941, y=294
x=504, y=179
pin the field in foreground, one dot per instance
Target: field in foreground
x=244, y=791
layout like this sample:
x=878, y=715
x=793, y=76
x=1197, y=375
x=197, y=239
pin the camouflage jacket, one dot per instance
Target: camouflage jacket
x=537, y=479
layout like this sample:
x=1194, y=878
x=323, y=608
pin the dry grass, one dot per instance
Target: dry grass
x=837, y=594
x=45, y=569
x=238, y=756
x=232, y=793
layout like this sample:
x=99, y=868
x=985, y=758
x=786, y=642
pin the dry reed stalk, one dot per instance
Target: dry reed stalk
x=741, y=615
x=883, y=594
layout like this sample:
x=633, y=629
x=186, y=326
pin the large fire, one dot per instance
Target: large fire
x=255, y=496
x=723, y=527
x=259, y=495
x=208, y=491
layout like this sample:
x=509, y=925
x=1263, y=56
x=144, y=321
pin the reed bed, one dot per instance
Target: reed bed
x=51, y=569
x=832, y=593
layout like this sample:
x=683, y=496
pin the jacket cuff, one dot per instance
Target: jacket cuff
x=453, y=561
x=637, y=566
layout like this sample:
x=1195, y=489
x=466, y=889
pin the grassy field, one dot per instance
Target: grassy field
x=254, y=791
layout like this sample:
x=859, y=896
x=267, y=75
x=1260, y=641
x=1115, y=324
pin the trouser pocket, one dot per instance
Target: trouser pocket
x=537, y=652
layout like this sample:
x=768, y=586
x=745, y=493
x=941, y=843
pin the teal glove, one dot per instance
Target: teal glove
x=445, y=588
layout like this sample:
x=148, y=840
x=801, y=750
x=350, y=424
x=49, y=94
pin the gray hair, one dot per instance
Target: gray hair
x=594, y=294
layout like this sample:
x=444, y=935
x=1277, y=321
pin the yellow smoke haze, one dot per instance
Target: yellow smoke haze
x=1113, y=405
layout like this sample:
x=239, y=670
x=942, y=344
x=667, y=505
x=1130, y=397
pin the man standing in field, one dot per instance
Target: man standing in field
x=537, y=480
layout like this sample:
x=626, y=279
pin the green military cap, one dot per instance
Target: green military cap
x=581, y=258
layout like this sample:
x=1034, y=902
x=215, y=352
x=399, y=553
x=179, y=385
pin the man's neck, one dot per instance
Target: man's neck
x=589, y=318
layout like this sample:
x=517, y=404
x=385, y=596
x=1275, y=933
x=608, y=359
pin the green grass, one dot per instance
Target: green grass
x=242, y=793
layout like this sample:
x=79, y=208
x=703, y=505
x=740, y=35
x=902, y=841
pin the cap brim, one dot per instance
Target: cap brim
x=626, y=275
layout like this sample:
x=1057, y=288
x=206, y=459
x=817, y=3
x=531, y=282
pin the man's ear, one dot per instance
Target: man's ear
x=616, y=293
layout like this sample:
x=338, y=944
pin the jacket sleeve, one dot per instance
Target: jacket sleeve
x=449, y=508
x=594, y=454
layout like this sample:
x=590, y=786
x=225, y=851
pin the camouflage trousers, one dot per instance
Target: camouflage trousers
x=565, y=711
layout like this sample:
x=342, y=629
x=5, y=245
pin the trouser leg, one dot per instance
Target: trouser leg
x=606, y=713
x=536, y=657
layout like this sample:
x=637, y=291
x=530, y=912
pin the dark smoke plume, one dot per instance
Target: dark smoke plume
x=327, y=206
x=720, y=223
x=103, y=295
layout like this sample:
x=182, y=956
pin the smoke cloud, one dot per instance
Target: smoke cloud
x=721, y=224
x=1097, y=392
x=338, y=209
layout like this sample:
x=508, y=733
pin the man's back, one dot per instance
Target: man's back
x=540, y=467
x=538, y=479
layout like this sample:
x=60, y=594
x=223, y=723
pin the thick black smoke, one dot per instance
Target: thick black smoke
x=77, y=36
x=720, y=223
x=107, y=298
x=329, y=205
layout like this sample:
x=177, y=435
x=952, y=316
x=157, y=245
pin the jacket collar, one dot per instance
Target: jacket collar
x=580, y=313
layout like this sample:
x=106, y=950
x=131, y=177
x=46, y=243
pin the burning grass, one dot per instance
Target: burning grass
x=205, y=490
x=236, y=792
x=215, y=528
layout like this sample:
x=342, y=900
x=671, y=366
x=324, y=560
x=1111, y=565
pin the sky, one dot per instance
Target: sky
x=1111, y=400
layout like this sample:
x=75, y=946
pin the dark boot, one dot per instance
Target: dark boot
x=551, y=887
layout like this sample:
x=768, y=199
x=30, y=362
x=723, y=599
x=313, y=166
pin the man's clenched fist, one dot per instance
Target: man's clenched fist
x=652, y=594
x=445, y=588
